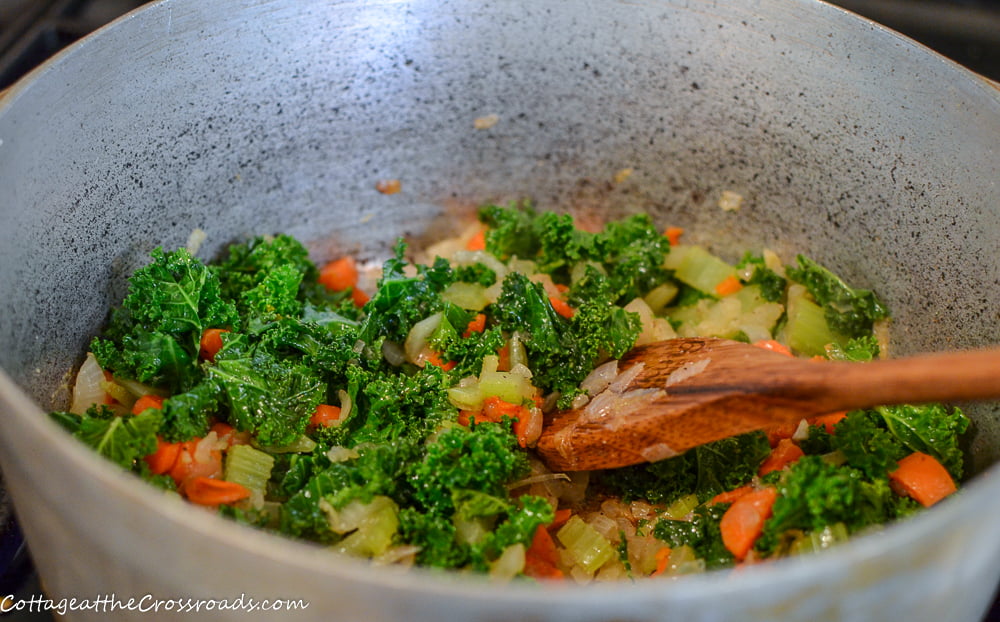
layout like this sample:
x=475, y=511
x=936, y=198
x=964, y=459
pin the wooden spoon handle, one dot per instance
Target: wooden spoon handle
x=941, y=377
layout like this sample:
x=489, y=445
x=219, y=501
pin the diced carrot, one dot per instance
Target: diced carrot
x=662, y=561
x=435, y=359
x=495, y=408
x=193, y=462
x=164, y=458
x=774, y=346
x=211, y=343
x=476, y=325
x=923, y=478
x=228, y=434
x=325, y=415
x=359, y=297
x=730, y=495
x=673, y=235
x=477, y=242
x=146, y=402
x=561, y=516
x=780, y=431
x=781, y=456
x=388, y=186
x=465, y=416
x=503, y=356
x=829, y=421
x=339, y=274
x=561, y=307
x=528, y=426
x=541, y=557
x=213, y=492
x=728, y=285
x=743, y=522
x=108, y=399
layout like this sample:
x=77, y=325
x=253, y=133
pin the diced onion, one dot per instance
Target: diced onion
x=509, y=564
x=341, y=454
x=416, y=347
x=599, y=379
x=393, y=353
x=87, y=389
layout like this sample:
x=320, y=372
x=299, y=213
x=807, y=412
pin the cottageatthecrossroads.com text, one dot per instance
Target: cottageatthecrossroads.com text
x=109, y=603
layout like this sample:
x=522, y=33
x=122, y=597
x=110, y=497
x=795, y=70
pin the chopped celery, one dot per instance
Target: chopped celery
x=376, y=529
x=248, y=467
x=682, y=507
x=466, y=396
x=471, y=296
x=814, y=541
x=806, y=330
x=301, y=445
x=684, y=560
x=660, y=296
x=701, y=269
x=509, y=564
x=588, y=548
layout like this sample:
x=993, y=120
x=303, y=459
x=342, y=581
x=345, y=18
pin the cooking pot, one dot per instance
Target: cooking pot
x=844, y=140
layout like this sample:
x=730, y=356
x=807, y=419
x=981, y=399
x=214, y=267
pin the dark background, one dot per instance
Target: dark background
x=967, y=31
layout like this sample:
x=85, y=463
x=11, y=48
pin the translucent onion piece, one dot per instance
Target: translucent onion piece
x=599, y=379
x=509, y=564
x=416, y=347
x=87, y=389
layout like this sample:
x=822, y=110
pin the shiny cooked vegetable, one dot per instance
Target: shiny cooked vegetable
x=397, y=422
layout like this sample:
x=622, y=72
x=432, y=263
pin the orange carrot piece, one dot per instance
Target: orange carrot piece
x=673, y=235
x=211, y=343
x=829, y=421
x=561, y=517
x=743, y=522
x=728, y=285
x=476, y=325
x=923, y=478
x=359, y=297
x=662, y=561
x=146, y=402
x=503, y=356
x=730, y=495
x=388, y=186
x=781, y=456
x=774, y=346
x=528, y=426
x=325, y=415
x=477, y=242
x=213, y=492
x=339, y=274
x=435, y=359
x=778, y=432
x=561, y=307
x=191, y=463
x=541, y=557
x=164, y=458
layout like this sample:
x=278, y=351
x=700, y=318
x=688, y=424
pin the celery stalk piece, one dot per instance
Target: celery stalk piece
x=702, y=270
x=375, y=532
x=806, y=331
x=585, y=544
x=248, y=467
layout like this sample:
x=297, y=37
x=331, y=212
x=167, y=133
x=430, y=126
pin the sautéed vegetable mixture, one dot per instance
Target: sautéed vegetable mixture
x=397, y=422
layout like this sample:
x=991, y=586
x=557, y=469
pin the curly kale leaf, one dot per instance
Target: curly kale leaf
x=867, y=444
x=862, y=349
x=701, y=532
x=186, y=415
x=705, y=471
x=849, y=311
x=772, y=285
x=154, y=337
x=814, y=494
x=248, y=265
x=562, y=352
x=401, y=301
x=629, y=251
x=122, y=439
x=266, y=395
x=931, y=429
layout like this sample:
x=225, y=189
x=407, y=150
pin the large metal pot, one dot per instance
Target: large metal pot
x=847, y=141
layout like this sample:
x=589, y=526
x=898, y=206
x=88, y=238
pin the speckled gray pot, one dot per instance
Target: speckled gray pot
x=847, y=141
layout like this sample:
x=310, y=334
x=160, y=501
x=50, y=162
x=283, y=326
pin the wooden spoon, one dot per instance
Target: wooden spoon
x=673, y=395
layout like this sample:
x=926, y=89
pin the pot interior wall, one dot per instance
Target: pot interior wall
x=880, y=161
